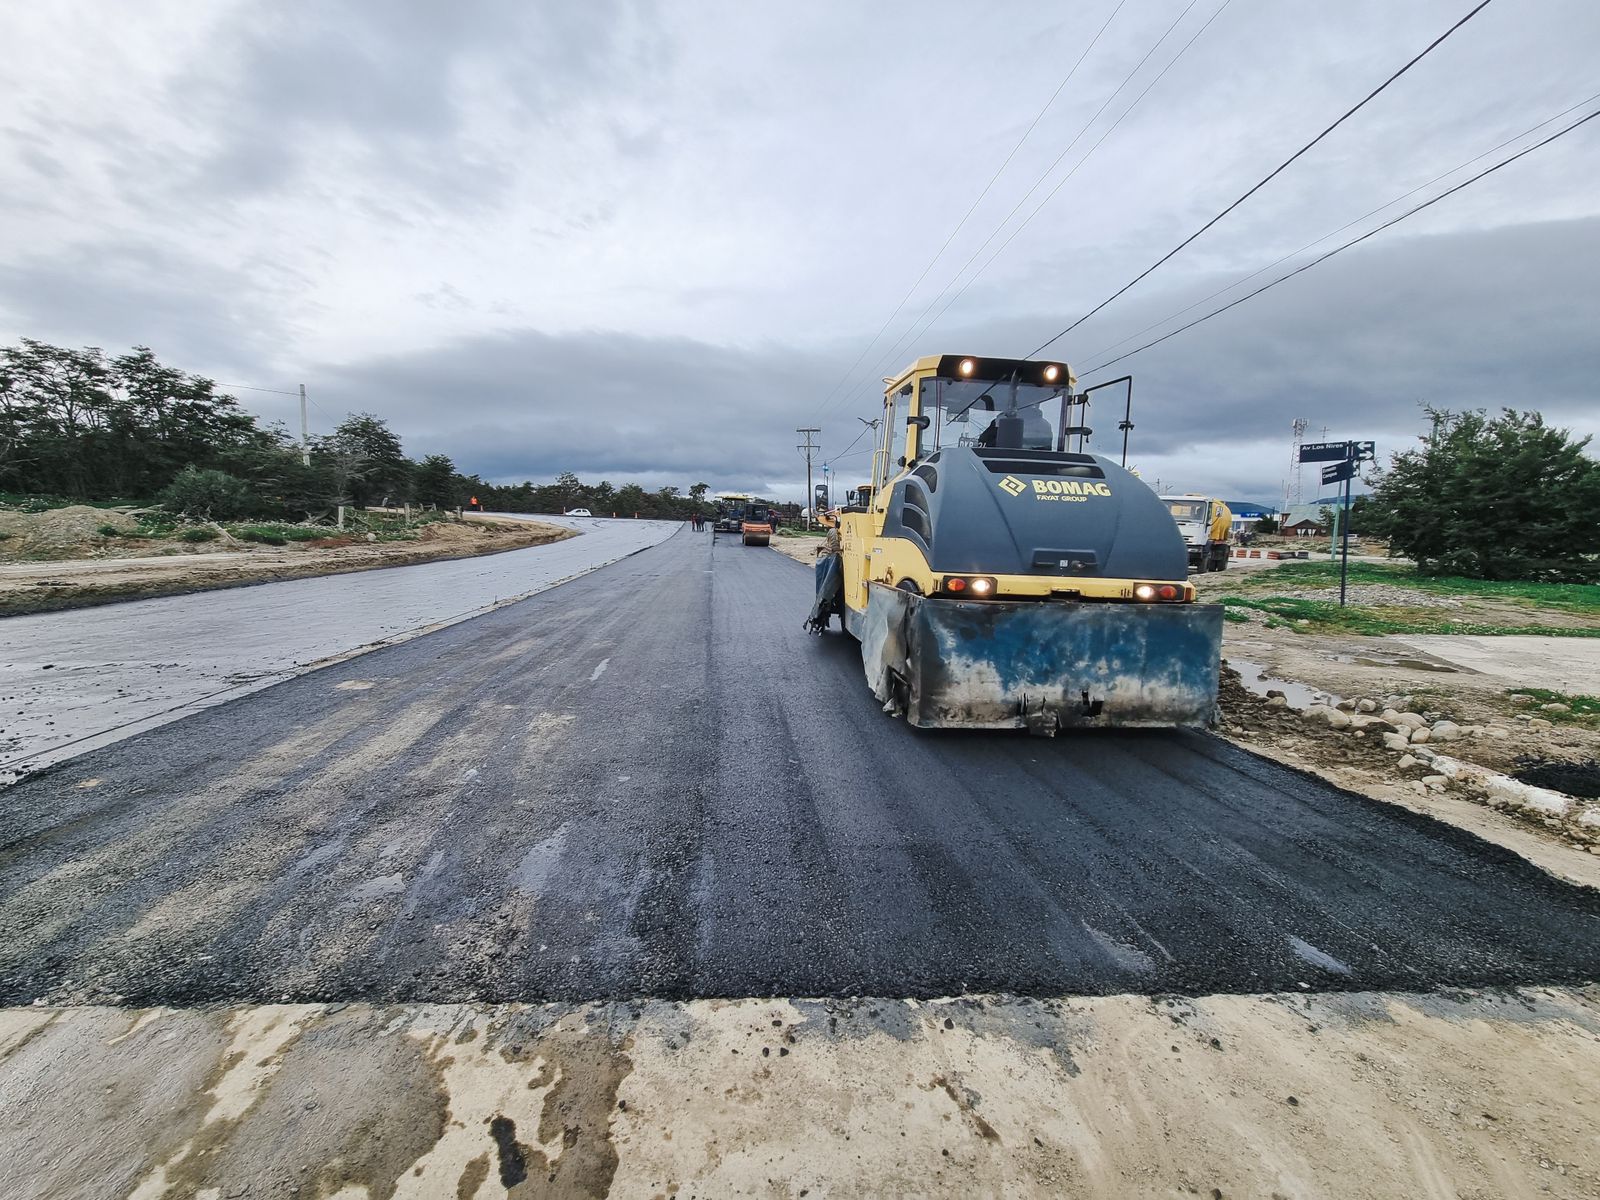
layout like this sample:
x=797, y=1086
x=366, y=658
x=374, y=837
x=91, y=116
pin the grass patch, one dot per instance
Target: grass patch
x=1573, y=597
x=198, y=533
x=278, y=533
x=1234, y=615
x=1585, y=709
x=1325, y=616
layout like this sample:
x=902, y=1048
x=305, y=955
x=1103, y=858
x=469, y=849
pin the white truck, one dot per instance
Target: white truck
x=1207, y=526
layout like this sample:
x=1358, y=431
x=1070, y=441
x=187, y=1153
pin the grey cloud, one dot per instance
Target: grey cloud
x=194, y=314
x=529, y=405
x=391, y=79
x=1476, y=320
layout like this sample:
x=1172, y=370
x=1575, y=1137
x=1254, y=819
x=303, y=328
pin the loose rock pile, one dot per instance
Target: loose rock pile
x=1417, y=737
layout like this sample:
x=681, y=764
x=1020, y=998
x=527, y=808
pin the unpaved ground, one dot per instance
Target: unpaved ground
x=1467, y=1094
x=801, y=549
x=102, y=569
x=1471, y=682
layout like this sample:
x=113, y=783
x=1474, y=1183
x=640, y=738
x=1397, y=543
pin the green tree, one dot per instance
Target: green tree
x=698, y=491
x=1504, y=497
x=212, y=494
x=436, y=482
x=368, y=461
x=1266, y=525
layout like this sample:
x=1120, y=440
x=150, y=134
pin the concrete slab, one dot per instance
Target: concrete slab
x=71, y=681
x=1564, y=664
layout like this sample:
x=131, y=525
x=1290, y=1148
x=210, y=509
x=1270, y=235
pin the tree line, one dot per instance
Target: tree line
x=84, y=425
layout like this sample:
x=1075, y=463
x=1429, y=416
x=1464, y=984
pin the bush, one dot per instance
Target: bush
x=198, y=533
x=213, y=494
x=265, y=538
x=109, y=531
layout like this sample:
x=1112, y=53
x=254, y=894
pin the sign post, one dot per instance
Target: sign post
x=1342, y=458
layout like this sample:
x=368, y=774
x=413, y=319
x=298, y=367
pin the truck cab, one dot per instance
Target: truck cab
x=1206, y=524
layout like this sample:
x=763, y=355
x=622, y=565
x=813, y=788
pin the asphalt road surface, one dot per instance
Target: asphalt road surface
x=651, y=782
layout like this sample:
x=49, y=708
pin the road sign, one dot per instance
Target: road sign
x=1324, y=452
x=1365, y=451
x=1338, y=472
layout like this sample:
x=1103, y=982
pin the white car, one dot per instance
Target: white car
x=580, y=512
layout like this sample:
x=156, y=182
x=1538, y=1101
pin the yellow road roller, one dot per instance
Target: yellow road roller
x=996, y=577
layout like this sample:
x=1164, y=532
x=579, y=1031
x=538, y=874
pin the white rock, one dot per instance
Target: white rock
x=1539, y=723
x=1407, y=762
x=1525, y=795
x=1421, y=733
x=1418, y=787
x=1346, y=706
x=1394, y=741
x=1397, y=718
x=1445, y=731
x=1590, y=817
x=1337, y=719
x=1496, y=731
x=1421, y=752
x=1434, y=783
x=1555, y=707
x=1278, y=701
x=1367, y=706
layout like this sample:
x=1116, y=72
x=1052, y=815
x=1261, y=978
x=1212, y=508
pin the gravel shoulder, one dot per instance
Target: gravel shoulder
x=129, y=568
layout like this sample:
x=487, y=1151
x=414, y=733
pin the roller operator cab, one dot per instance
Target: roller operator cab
x=997, y=578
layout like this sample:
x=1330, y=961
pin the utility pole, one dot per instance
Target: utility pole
x=305, y=439
x=808, y=450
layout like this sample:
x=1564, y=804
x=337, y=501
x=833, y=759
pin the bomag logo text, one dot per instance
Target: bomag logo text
x=1012, y=485
x=1072, y=491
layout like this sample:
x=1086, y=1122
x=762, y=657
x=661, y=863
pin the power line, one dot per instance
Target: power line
x=1062, y=182
x=1348, y=224
x=245, y=387
x=1345, y=246
x=918, y=327
x=1483, y=4
x=1039, y=116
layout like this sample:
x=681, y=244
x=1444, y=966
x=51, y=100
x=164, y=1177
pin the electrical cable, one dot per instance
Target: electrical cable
x=1335, y=232
x=843, y=379
x=1345, y=246
x=1062, y=182
x=1483, y=4
x=918, y=327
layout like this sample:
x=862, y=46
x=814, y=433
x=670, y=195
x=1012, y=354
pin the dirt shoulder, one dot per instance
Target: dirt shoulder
x=1464, y=1093
x=801, y=549
x=1462, y=727
x=95, y=569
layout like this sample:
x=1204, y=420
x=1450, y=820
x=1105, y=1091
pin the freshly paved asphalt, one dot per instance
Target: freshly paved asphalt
x=651, y=782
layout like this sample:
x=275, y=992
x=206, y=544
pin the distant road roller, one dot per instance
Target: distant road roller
x=997, y=579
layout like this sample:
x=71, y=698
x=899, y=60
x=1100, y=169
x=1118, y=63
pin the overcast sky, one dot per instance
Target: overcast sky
x=647, y=241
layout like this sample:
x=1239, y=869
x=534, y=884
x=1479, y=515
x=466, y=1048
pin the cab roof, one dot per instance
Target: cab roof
x=1028, y=370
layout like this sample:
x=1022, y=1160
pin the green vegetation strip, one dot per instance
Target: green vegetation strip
x=1584, y=708
x=1325, y=616
x=1572, y=597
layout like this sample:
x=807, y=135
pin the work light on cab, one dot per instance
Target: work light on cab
x=968, y=366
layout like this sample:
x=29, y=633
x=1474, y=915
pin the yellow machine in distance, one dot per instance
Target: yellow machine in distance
x=996, y=578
